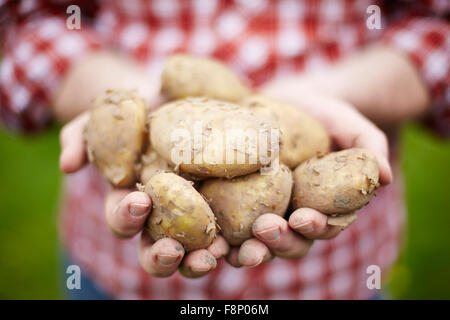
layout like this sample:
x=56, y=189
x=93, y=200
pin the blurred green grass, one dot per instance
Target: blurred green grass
x=423, y=270
x=30, y=188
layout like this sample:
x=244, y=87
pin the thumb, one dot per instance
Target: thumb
x=73, y=149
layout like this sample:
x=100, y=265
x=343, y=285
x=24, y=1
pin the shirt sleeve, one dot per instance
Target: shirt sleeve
x=37, y=50
x=425, y=40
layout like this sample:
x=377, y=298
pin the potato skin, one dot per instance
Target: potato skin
x=115, y=136
x=151, y=164
x=179, y=212
x=217, y=120
x=187, y=76
x=302, y=137
x=337, y=183
x=238, y=202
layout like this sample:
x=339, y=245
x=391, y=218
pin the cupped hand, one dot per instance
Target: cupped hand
x=292, y=238
x=126, y=211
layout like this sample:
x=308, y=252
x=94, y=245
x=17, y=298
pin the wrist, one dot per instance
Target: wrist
x=97, y=73
x=297, y=87
x=334, y=81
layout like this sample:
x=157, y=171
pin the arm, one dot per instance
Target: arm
x=93, y=75
x=292, y=238
x=126, y=211
x=388, y=83
x=403, y=76
x=43, y=79
x=380, y=82
x=385, y=86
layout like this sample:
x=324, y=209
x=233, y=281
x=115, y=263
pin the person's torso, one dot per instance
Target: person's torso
x=259, y=40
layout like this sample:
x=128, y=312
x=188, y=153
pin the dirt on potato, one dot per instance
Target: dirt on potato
x=179, y=212
x=115, y=136
x=212, y=138
x=338, y=183
x=238, y=202
x=302, y=137
x=187, y=76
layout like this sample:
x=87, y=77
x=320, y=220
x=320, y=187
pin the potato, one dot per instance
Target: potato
x=115, y=136
x=179, y=212
x=338, y=183
x=237, y=203
x=151, y=164
x=343, y=220
x=192, y=134
x=302, y=137
x=186, y=76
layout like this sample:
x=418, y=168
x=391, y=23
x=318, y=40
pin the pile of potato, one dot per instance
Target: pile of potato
x=198, y=192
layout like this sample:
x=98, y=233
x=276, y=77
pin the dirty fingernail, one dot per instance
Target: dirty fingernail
x=139, y=210
x=304, y=227
x=166, y=259
x=270, y=234
x=210, y=264
x=210, y=260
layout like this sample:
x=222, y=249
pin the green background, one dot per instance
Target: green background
x=30, y=191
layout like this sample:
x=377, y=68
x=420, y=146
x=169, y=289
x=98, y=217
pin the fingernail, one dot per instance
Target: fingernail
x=166, y=259
x=201, y=270
x=138, y=210
x=305, y=227
x=209, y=263
x=257, y=264
x=270, y=234
x=210, y=260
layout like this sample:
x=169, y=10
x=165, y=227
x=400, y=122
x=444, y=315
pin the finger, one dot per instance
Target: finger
x=198, y=263
x=219, y=248
x=233, y=257
x=253, y=252
x=312, y=224
x=354, y=130
x=162, y=258
x=73, y=151
x=126, y=212
x=275, y=233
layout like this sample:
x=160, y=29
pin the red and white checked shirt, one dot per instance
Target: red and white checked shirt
x=259, y=39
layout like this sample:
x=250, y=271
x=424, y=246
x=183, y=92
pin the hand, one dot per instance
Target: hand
x=126, y=212
x=274, y=236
